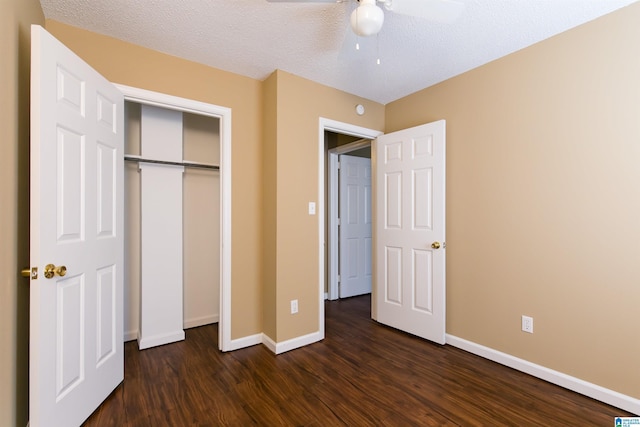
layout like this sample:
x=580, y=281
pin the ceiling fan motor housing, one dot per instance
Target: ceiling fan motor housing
x=367, y=19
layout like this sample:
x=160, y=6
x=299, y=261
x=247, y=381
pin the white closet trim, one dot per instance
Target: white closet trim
x=141, y=96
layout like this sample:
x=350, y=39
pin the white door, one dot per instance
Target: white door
x=355, y=226
x=410, y=230
x=76, y=348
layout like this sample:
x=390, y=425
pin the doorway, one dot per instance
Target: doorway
x=327, y=265
x=344, y=258
x=409, y=241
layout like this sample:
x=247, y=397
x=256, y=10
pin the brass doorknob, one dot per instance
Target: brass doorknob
x=435, y=245
x=29, y=273
x=51, y=270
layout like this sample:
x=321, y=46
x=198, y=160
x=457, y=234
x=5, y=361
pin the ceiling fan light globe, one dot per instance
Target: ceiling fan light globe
x=367, y=19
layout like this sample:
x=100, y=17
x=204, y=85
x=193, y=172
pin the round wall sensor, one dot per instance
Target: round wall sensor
x=360, y=109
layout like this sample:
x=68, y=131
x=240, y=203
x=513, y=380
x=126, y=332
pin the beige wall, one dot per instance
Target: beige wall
x=543, y=207
x=16, y=17
x=542, y=170
x=282, y=243
x=135, y=66
x=296, y=182
x=269, y=208
x=201, y=204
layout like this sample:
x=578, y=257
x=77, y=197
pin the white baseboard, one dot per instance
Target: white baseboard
x=200, y=321
x=291, y=344
x=154, y=341
x=235, y=344
x=188, y=323
x=594, y=391
x=248, y=341
x=269, y=343
x=130, y=335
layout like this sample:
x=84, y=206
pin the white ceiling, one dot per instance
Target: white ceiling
x=313, y=40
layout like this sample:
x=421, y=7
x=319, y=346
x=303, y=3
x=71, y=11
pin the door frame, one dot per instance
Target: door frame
x=332, y=209
x=142, y=96
x=345, y=129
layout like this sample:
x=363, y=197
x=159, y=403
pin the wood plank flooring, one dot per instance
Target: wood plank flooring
x=362, y=374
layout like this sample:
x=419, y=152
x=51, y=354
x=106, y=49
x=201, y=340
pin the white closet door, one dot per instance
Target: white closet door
x=161, y=316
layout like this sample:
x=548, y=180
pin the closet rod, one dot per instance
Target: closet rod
x=166, y=162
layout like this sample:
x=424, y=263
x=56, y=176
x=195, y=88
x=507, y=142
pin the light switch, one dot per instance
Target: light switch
x=312, y=208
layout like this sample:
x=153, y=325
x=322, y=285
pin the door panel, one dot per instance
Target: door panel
x=76, y=346
x=107, y=302
x=422, y=283
x=392, y=288
x=70, y=157
x=393, y=197
x=410, y=273
x=107, y=169
x=69, y=328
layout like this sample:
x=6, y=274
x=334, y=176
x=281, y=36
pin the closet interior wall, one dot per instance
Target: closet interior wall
x=201, y=222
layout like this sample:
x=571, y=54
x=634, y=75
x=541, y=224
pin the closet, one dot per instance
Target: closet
x=172, y=222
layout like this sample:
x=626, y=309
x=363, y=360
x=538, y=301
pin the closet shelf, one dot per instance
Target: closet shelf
x=131, y=158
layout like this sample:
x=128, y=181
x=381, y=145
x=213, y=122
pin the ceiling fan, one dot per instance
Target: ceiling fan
x=368, y=17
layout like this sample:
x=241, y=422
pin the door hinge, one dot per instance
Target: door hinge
x=339, y=222
x=339, y=278
x=338, y=165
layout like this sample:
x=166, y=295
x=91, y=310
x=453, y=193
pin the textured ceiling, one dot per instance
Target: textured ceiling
x=313, y=40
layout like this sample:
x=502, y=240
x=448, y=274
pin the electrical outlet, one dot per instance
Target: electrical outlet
x=527, y=324
x=294, y=306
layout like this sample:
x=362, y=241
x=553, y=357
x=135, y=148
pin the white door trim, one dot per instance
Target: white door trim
x=332, y=208
x=157, y=99
x=346, y=129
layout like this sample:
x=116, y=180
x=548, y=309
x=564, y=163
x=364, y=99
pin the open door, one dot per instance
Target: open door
x=355, y=226
x=76, y=346
x=410, y=230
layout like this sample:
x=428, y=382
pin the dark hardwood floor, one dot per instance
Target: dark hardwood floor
x=362, y=374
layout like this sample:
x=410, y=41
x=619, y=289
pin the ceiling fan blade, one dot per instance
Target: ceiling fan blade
x=434, y=10
x=305, y=1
